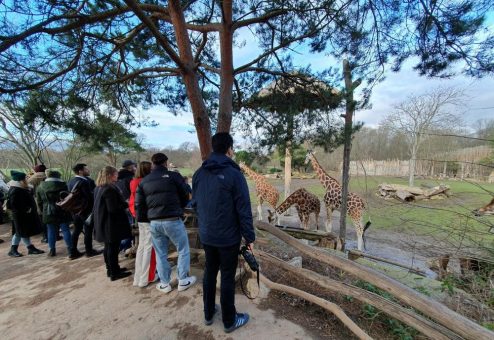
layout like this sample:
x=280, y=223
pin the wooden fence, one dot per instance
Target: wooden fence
x=463, y=163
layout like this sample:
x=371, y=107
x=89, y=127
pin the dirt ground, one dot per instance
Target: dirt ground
x=55, y=298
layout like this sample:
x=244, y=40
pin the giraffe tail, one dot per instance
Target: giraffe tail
x=367, y=225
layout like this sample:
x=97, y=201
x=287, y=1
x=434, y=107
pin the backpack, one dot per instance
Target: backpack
x=74, y=201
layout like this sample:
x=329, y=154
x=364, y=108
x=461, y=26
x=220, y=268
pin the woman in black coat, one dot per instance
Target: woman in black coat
x=25, y=219
x=111, y=224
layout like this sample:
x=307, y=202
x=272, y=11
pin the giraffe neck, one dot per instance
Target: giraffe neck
x=326, y=180
x=252, y=174
x=290, y=200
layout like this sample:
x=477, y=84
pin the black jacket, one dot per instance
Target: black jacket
x=124, y=178
x=86, y=185
x=25, y=219
x=110, y=215
x=222, y=203
x=160, y=194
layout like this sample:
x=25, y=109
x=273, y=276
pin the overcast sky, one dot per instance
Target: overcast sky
x=174, y=130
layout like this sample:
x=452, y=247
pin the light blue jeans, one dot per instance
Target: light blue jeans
x=16, y=240
x=162, y=232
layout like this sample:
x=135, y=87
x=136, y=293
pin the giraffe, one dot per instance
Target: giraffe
x=305, y=203
x=264, y=190
x=332, y=200
x=486, y=210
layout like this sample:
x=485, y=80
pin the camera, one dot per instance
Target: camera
x=249, y=258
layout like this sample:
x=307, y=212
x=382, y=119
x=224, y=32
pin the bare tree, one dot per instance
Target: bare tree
x=421, y=114
x=31, y=140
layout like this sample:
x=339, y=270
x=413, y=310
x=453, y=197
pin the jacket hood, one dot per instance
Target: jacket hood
x=17, y=184
x=219, y=161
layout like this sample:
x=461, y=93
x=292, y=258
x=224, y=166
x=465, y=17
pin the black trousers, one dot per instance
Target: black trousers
x=110, y=253
x=88, y=233
x=224, y=259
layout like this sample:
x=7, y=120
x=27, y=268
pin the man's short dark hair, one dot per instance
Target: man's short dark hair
x=159, y=158
x=78, y=167
x=222, y=141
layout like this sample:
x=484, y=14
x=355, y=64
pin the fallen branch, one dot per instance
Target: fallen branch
x=329, y=306
x=433, y=309
x=394, y=310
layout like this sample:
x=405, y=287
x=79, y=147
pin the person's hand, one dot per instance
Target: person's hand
x=250, y=246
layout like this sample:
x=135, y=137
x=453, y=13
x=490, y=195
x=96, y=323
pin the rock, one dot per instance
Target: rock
x=296, y=262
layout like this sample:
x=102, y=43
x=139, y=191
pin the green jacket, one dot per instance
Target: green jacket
x=47, y=194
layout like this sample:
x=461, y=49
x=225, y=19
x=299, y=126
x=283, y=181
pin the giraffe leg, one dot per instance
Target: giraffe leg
x=360, y=239
x=329, y=226
x=259, y=212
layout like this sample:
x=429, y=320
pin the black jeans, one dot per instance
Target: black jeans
x=224, y=259
x=110, y=254
x=88, y=233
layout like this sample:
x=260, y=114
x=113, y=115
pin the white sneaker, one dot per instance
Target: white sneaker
x=164, y=288
x=186, y=283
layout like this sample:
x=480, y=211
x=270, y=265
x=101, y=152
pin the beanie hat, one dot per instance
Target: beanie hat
x=39, y=168
x=17, y=175
x=53, y=174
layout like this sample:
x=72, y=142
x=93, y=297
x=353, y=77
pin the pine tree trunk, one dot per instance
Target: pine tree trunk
x=350, y=106
x=288, y=172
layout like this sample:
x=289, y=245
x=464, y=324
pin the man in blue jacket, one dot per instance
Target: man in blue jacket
x=222, y=202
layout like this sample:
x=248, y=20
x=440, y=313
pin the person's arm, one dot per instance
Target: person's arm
x=241, y=200
x=39, y=201
x=182, y=189
x=140, y=204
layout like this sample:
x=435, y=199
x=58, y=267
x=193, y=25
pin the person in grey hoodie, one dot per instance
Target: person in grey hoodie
x=55, y=218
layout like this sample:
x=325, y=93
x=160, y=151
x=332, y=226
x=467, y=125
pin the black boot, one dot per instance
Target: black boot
x=32, y=250
x=52, y=253
x=75, y=254
x=13, y=252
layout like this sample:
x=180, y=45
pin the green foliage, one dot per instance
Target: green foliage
x=274, y=170
x=245, y=157
x=400, y=330
x=298, y=157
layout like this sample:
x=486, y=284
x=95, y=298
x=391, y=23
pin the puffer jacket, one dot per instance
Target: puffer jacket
x=161, y=194
x=47, y=195
x=222, y=203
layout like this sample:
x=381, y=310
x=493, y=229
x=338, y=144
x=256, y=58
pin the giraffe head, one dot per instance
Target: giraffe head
x=309, y=156
x=272, y=216
x=486, y=210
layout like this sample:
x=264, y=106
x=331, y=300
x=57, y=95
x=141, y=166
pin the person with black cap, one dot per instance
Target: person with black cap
x=25, y=219
x=125, y=175
x=55, y=218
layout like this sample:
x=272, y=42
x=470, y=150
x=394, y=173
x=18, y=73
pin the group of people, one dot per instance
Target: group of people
x=154, y=197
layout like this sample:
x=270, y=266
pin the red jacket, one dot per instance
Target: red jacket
x=133, y=187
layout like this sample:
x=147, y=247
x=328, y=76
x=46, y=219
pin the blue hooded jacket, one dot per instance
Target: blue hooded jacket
x=222, y=203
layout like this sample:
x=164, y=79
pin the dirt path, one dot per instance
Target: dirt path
x=54, y=298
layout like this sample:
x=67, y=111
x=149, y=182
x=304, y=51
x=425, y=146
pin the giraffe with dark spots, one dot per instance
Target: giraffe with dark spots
x=332, y=200
x=265, y=192
x=305, y=203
